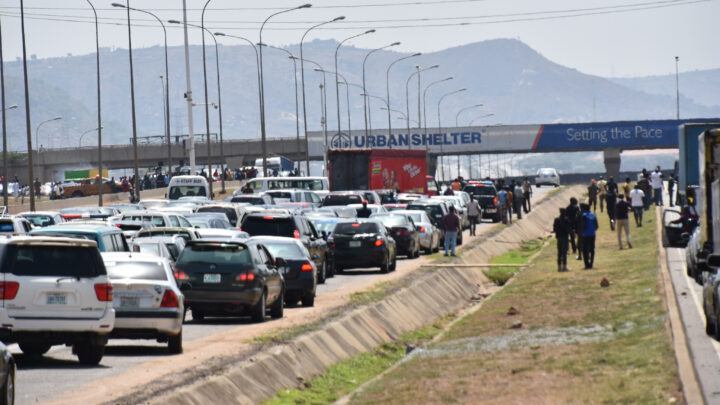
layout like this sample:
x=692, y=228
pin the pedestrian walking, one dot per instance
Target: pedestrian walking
x=561, y=228
x=656, y=183
x=451, y=224
x=474, y=211
x=637, y=201
x=611, y=200
x=518, y=200
x=672, y=183
x=590, y=224
x=592, y=194
x=572, y=211
x=579, y=229
x=644, y=183
x=602, y=187
x=622, y=209
x=16, y=189
x=626, y=186
x=510, y=202
x=503, y=200
x=527, y=193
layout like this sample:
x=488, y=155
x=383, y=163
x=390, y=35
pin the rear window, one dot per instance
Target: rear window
x=136, y=270
x=269, y=226
x=433, y=211
x=229, y=212
x=546, y=172
x=341, y=200
x=480, y=190
x=280, y=194
x=288, y=251
x=355, y=228
x=254, y=200
x=151, y=248
x=220, y=254
x=416, y=217
x=186, y=191
x=39, y=220
x=83, y=235
x=54, y=261
x=324, y=226
x=392, y=220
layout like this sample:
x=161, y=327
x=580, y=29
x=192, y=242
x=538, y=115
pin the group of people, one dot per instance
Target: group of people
x=514, y=197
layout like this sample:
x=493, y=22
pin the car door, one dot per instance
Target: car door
x=270, y=272
x=310, y=241
x=321, y=243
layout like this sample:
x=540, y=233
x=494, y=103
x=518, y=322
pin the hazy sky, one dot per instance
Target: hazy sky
x=601, y=37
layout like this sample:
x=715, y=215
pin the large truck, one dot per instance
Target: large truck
x=688, y=168
x=401, y=170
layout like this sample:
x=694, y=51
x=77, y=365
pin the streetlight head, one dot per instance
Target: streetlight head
x=449, y=78
x=174, y=22
x=308, y=5
x=395, y=43
x=416, y=54
x=12, y=107
x=369, y=31
x=339, y=18
x=219, y=34
x=57, y=118
x=118, y=5
x=318, y=70
x=260, y=44
x=434, y=66
x=293, y=57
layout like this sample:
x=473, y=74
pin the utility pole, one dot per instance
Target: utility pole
x=188, y=94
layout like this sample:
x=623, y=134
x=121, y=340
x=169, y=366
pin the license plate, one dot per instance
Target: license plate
x=56, y=299
x=491, y=210
x=355, y=243
x=129, y=302
x=211, y=278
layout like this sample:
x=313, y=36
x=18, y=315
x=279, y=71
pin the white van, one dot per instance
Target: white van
x=319, y=185
x=188, y=186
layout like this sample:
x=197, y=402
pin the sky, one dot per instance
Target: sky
x=608, y=38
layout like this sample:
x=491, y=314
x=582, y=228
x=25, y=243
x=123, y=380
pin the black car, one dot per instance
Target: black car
x=253, y=199
x=711, y=297
x=402, y=229
x=300, y=274
x=7, y=376
x=436, y=210
x=230, y=278
x=292, y=226
x=486, y=195
x=363, y=243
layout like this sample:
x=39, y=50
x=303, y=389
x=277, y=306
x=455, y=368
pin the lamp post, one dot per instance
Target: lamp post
x=337, y=90
x=85, y=133
x=37, y=131
x=427, y=139
x=207, y=111
x=407, y=96
x=347, y=94
x=365, y=106
x=188, y=93
x=387, y=87
x=4, y=128
x=480, y=117
x=297, y=113
x=677, y=88
x=27, y=109
x=465, y=109
x=442, y=160
x=166, y=88
x=302, y=79
x=323, y=90
x=262, y=87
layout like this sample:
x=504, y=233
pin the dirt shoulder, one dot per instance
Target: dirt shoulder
x=571, y=340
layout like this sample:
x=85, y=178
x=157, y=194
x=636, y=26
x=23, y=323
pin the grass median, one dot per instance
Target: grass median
x=566, y=340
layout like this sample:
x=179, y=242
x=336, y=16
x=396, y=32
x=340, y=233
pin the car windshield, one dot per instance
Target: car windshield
x=270, y=226
x=392, y=220
x=355, y=228
x=341, y=199
x=186, y=191
x=416, y=217
x=39, y=220
x=224, y=255
x=54, y=261
x=151, y=248
x=326, y=226
x=288, y=251
x=156, y=220
x=136, y=270
x=433, y=211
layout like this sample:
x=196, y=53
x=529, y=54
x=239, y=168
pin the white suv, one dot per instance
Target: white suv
x=55, y=291
x=14, y=225
x=547, y=177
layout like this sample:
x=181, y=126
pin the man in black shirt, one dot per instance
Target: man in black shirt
x=364, y=212
x=572, y=212
x=561, y=228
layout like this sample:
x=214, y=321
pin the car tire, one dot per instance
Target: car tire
x=34, y=348
x=429, y=250
x=277, y=310
x=339, y=269
x=385, y=266
x=308, y=300
x=258, y=310
x=7, y=393
x=322, y=273
x=393, y=266
x=460, y=239
x=90, y=352
x=197, y=315
x=331, y=270
x=175, y=344
x=78, y=193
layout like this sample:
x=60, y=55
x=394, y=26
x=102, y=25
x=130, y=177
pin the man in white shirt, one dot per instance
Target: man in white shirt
x=656, y=183
x=637, y=198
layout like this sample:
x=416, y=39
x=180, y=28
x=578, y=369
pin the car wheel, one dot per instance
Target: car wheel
x=385, y=266
x=197, y=315
x=8, y=390
x=393, y=266
x=277, y=309
x=34, y=348
x=460, y=239
x=429, y=250
x=331, y=270
x=258, y=310
x=90, y=352
x=322, y=274
x=175, y=344
x=496, y=219
x=77, y=193
x=308, y=300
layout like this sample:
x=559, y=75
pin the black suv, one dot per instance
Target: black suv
x=486, y=195
x=292, y=226
x=436, y=210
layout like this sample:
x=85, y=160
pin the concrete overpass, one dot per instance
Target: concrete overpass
x=610, y=137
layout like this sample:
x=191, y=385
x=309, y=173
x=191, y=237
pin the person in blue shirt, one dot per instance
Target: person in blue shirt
x=590, y=225
x=503, y=199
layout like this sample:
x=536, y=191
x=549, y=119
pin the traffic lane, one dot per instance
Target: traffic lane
x=45, y=378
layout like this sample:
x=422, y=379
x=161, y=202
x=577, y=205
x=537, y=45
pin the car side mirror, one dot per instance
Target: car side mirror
x=280, y=262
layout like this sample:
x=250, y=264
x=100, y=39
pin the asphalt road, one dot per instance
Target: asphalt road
x=42, y=379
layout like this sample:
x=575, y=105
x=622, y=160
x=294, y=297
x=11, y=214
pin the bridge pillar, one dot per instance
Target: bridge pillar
x=611, y=157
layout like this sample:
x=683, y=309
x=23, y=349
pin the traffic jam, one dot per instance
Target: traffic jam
x=82, y=276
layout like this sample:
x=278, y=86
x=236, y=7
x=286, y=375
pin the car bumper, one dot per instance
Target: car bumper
x=300, y=284
x=197, y=297
x=359, y=257
x=128, y=323
x=55, y=329
x=403, y=244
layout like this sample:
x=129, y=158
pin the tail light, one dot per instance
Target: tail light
x=180, y=274
x=239, y=229
x=422, y=229
x=8, y=290
x=306, y=267
x=495, y=200
x=402, y=232
x=104, y=292
x=296, y=234
x=169, y=300
x=331, y=242
x=245, y=276
x=379, y=242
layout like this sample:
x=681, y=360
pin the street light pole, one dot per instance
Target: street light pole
x=365, y=100
x=99, y=116
x=37, y=131
x=337, y=87
x=387, y=87
x=407, y=95
x=480, y=117
x=132, y=105
x=302, y=79
x=442, y=159
x=207, y=110
x=27, y=109
x=464, y=109
x=677, y=88
x=188, y=93
x=427, y=139
x=4, y=127
x=85, y=133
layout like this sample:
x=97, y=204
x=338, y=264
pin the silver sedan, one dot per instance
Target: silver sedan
x=428, y=233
